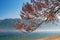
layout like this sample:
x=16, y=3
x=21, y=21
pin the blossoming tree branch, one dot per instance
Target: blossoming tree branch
x=38, y=12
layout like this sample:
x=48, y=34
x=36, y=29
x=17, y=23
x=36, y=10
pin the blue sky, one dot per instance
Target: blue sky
x=11, y=8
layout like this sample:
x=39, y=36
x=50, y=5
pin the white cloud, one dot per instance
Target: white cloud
x=48, y=30
x=58, y=17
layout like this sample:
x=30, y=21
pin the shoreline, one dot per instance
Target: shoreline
x=55, y=37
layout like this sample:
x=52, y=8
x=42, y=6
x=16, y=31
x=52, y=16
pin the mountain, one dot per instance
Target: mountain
x=0, y=20
x=8, y=23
